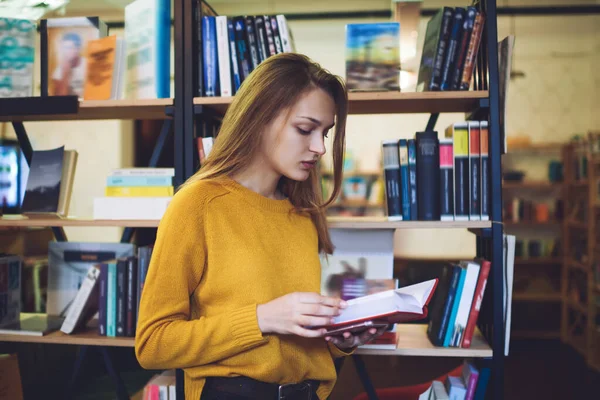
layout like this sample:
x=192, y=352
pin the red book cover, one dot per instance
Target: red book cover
x=479, y=291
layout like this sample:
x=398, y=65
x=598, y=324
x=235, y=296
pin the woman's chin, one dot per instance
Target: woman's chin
x=298, y=175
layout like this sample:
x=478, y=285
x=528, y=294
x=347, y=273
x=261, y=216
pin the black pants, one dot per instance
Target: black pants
x=243, y=388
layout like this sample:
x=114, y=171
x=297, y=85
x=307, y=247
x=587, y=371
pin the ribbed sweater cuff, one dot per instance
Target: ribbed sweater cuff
x=244, y=326
x=336, y=352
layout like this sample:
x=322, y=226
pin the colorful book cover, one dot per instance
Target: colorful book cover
x=404, y=179
x=17, y=41
x=210, y=52
x=391, y=169
x=105, y=69
x=446, y=180
x=459, y=133
x=485, y=170
x=235, y=70
x=111, y=300
x=453, y=48
x=412, y=178
x=373, y=56
x=139, y=191
x=148, y=43
x=434, y=50
x=474, y=172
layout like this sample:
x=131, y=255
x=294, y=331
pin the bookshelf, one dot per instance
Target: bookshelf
x=580, y=321
x=86, y=337
x=19, y=221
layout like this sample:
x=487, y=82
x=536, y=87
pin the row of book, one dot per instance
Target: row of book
x=456, y=303
x=450, y=49
x=470, y=384
x=432, y=179
x=136, y=193
x=113, y=290
x=77, y=57
x=232, y=47
x=518, y=209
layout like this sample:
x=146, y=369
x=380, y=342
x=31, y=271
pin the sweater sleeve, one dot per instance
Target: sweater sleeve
x=336, y=352
x=166, y=337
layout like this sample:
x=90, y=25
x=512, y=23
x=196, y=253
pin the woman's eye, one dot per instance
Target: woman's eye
x=326, y=134
x=303, y=132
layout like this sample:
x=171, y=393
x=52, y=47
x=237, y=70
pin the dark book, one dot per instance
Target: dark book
x=252, y=41
x=460, y=137
x=463, y=47
x=276, y=34
x=235, y=69
x=132, y=287
x=475, y=172
x=453, y=44
x=198, y=48
x=121, y=306
x=434, y=50
x=391, y=168
x=441, y=304
x=412, y=179
x=428, y=176
x=144, y=255
x=485, y=170
x=43, y=183
x=102, y=290
x=472, y=50
x=211, y=58
x=446, y=180
x=404, y=179
x=261, y=36
x=243, y=54
x=270, y=38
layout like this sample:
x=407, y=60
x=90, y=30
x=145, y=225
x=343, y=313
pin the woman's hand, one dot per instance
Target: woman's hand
x=292, y=313
x=348, y=340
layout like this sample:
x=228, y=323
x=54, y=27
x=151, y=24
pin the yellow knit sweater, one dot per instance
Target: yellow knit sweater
x=222, y=249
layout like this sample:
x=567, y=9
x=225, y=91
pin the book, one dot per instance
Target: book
x=446, y=180
x=85, y=304
x=455, y=388
x=470, y=375
x=211, y=58
x=139, y=191
x=454, y=40
x=435, y=47
x=404, y=180
x=10, y=288
x=105, y=72
x=441, y=305
x=223, y=56
x=32, y=324
x=63, y=46
x=472, y=51
x=17, y=57
x=373, y=56
x=428, y=175
x=131, y=208
x=412, y=177
x=474, y=171
x=466, y=299
x=463, y=46
x=391, y=168
x=391, y=306
x=143, y=172
x=477, y=300
x=485, y=170
x=459, y=133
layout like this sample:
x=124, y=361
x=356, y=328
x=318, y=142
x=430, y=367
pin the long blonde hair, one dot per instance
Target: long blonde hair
x=272, y=88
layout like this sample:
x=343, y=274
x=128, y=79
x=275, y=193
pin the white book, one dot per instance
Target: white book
x=284, y=32
x=85, y=302
x=438, y=391
x=130, y=208
x=223, y=56
x=207, y=144
x=143, y=172
x=466, y=299
x=509, y=265
x=456, y=388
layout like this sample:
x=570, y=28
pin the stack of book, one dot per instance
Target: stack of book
x=456, y=303
x=470, y=384
x=450, y=48
x=232, y=47
x=432, y=179
x=136, y=193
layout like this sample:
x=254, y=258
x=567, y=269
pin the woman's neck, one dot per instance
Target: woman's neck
x=261, y=181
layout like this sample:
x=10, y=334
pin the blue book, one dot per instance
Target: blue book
x=453, y=48
x=235, y=70
x=111, y=300
x=412, y=178
x=148, y=49
x=455, y=304
x=136, y=181
x=482, y=383
x=404, y=180
x=102, y=280
x=211, y=59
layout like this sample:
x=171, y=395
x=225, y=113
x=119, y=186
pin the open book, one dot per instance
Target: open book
x=390, y=307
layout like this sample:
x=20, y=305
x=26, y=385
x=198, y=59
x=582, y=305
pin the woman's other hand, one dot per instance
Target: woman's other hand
x=348, y=340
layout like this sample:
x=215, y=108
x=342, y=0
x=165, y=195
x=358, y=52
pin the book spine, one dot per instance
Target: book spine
x=235, y=70
x=484, y=378
x=453, y=43
x=412, y=172
x=442, y=49
x=475, y=172
x=464, y=308
x=261, y=36
x=404, y=179
x=276, y=35
x=243, y=54
x=485, y=171
x=460, y=135
x=446, y=180
x=392, y=180
x=142, y=181
x=270, y=39
x=447, y=312
x=455, y=303
x=252, y=43
x=139, y=191
x=199, y=48
x=471, y=381
x=111, y=301
x=80, y=303
x=428, y=176
x=163, y=49
x=469, y=66
x=131, y=296
x=463, y=47
x=209, y=35
x=121, y=306
x=283, y=31
x=478, y=299
x=223, y=55
x=102, y=293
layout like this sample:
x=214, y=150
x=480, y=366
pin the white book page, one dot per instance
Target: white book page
x=419, y=291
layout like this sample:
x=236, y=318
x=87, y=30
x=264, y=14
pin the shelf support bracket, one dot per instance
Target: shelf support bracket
x=361, y=369
x=432, y=121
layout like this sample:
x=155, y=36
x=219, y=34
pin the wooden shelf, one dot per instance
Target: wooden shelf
x=88, y=337
x=19, y=221
x=384, y=223
x=413, y=341
x=538, y=297
x=542, y=185
x=388, y=102
x=104, y=110
x=538, y=260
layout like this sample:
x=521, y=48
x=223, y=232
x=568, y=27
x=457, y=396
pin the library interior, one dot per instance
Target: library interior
x=454, y=199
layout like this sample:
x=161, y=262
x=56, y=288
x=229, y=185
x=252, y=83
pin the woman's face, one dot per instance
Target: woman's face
x=295, y=141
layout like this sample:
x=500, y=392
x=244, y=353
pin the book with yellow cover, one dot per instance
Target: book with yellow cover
x=104, y=74
x=139, y=191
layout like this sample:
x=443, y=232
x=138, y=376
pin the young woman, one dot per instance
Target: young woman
x=234, y=280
